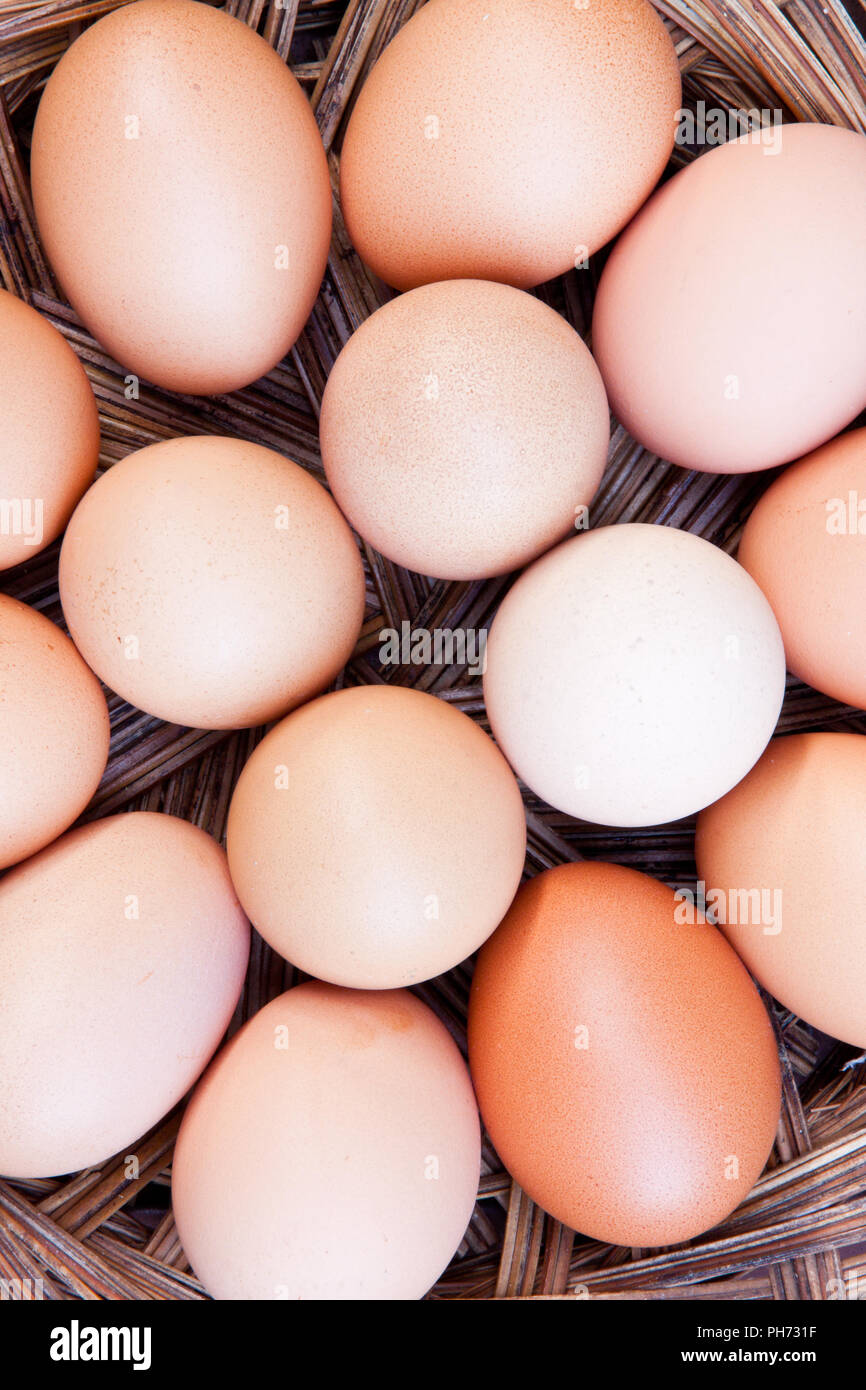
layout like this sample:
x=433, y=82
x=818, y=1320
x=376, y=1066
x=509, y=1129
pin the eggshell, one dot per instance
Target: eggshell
x=122, y=954
x=182, y=194
x=488, y=140
x=211, y=582
x=376, y=837
x=464, y=429
x=49, y=447
x=55, y=732
x=718, y=351
x=782, y=859
x=624, y=1063
x=816, y=511
x=634, y=675
x=332, y=1151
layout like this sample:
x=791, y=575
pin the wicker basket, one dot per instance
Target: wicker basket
x=100, y=1234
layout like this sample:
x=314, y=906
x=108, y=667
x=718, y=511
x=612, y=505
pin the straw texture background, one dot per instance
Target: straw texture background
x=101, y=1235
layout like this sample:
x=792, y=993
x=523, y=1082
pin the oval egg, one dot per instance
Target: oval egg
x=182, y=194
x=55, y=732
x=376, y=837
x=464, y=429
x=816, y=511
x=486, y=142
x=782, y=859
x=332, y=1151
x=49, y=447
x=229, y=586
x=717, y=351
x=624, y=1064
x=122, y=954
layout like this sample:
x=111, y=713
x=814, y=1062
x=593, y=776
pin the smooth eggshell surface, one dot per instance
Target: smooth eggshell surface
x=486, y=143
x=332, y=1151
x=49, y=446
x=211, y=582
x=634, y=674
x=782, y=859
x=182, y=194
x=805, y=545
x=464, y=427
x=55, y=732
x=624, y=1063
x=123, y=951
x=717, y=350
x=376, y=837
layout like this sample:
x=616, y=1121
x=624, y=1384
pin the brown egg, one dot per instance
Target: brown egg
x=122, y=954
x=464, y=429
x=488, y=140
x=55, y=732
x=49, y=446
x=182, y=194
x=211, y=582
x=332, y=1151
x=781, y=857
x=816, y=511
x=717, y=351
x=623, y=1061
x=376, y=837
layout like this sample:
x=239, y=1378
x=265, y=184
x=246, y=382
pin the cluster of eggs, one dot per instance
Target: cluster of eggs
x=622, y=1058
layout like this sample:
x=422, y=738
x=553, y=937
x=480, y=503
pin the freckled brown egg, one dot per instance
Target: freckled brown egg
x=376, y=837
x=717, y=350
x=489, y=140
x=123, y=951
x=782, y=859
x=182, y=194
x=49, y=445
x=464, y=429
x=55, y=732
x=624, y=1064
x=211, y=582
x=332, y=1151
x=805, y=545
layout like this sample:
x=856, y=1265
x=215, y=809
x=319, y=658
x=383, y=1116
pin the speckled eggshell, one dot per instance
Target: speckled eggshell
x=805, y=544
x=211, y=582
x=54, y=722
x=123, y=951
x=49, y=444
x=623, y=1061
x=634, y=674
x=464, y=429
x=376, y=837
x=487, y=141
x=182, y=194
x=332, y=1151
x=782, y=859
x=730, y=319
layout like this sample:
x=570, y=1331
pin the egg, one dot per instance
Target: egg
x=487, y=141
x=816, y=511
x=122, y=954
x=211, y=582
x=50, y=443
x=624, y=1064
x=182, y=194
x=332, y=1151
x=781, y=858
x=55, y=732
x=634, y=674
x=376, y=837
x=464, y=429
x=718, y=352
